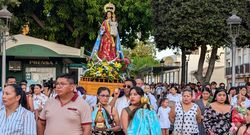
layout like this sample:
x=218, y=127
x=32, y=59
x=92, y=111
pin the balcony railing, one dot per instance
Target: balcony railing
x=239, y=69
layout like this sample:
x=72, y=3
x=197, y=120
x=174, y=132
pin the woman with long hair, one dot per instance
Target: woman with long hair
x=203, y=102
x=39, y=99
x=105, y=119
x=139, y=118
x=185, y=115
x=217, y=117
x=241, y=98
x=174, y=96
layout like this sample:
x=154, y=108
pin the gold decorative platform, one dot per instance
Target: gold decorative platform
x=91, y=85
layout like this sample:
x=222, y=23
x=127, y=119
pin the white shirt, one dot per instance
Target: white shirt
x=234, y=102
x=91, y=100
x=39, y=100
x=176, y=98
x=152, y=100
x=163, y=114
x=121, y=103
x=159, y=90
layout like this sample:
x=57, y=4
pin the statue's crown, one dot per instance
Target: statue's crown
x=109, y=7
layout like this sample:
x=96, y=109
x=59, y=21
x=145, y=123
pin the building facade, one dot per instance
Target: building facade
x=173, y=75
x=37, y=60
x=242, y=66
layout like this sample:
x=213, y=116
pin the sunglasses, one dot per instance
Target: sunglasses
x=104, y=96
x=127, y=86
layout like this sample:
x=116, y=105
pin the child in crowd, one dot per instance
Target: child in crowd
x=163, y=114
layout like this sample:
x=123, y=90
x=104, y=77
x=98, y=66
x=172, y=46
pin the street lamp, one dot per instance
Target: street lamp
x=162, y=65
x=5, y=17
x=188, y=53
x=234, y=22
x=152, y=74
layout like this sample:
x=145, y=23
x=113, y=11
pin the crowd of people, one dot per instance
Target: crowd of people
x=62, y=107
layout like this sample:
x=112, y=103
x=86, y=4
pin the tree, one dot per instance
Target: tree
x=76, y=22
x=143, y=55
x=188, y=25
x=9, y=2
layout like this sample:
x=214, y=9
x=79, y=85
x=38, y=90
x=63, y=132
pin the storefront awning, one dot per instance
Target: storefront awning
x=26, y=46
x=30, y=50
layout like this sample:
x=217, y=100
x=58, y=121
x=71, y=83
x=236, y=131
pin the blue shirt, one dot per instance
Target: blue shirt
x=20, y=122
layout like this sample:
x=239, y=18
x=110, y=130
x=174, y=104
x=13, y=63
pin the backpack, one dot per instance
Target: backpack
x=144, y=122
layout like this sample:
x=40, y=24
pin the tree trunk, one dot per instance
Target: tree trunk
x=199, y=73
x=211, y=64
x=78, y=42
x=183, y=65
x=38, y=21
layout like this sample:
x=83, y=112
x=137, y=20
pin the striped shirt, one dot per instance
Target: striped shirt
x=1, y=96
x=20, y=122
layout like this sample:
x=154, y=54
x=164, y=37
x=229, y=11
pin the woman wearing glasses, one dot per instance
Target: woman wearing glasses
x=105, y=119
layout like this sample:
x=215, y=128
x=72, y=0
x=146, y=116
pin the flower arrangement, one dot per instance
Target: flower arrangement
x=108, y=70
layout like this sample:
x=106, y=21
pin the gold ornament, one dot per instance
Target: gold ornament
x=99, y=120
x=144, y=100
x=25, y=29
x=109, y=7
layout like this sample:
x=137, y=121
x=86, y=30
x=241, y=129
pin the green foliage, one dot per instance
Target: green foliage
x=141, y=56
x=142, y=62
x=76, y=22
x=142, y=49
x=193, y=23
x=9, y=2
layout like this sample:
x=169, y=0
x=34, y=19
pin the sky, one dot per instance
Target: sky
x=164, y=53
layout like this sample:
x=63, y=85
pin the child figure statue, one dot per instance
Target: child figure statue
x=113, y=26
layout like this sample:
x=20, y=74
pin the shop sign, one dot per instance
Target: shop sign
x=41, y=62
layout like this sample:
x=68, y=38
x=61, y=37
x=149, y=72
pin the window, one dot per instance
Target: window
x=228, y=63
x=239, y=60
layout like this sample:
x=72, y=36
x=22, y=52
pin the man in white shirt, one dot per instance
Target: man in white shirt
x=146, y=88
x=159, y=90
x=213, y=87
x=122, y=102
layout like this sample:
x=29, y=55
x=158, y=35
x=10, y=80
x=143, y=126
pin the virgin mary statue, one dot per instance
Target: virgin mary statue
x=107, y=45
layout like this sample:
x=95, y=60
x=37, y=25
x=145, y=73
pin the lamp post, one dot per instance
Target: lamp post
x=5, y=17
x=188, y=52
x=152, y=74
x=162, y=65
x=234, y=22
